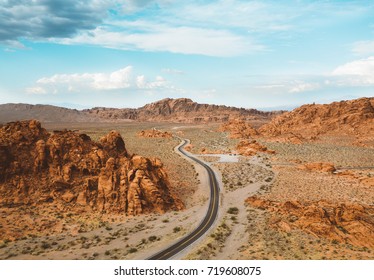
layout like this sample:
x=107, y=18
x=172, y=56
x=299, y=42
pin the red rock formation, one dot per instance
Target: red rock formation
x=346, y=223
x=318, y=166
x=354, y=118
x=366, y=180
x=71, y=170
x=154, y=133
x=238, y=129
x=251, y=148
x=188, y=147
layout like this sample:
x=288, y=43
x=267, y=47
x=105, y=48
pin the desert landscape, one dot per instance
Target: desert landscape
x=110, y=183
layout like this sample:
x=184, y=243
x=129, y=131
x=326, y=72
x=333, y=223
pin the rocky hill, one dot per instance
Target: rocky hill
x=44, y=113
x=352, y=119
x=180, y=110
x=70, y=170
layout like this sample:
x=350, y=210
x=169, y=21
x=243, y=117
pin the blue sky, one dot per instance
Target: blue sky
x=252, y=54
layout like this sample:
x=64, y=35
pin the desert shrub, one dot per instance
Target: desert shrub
x=233, y=210
x=132, y=250
x=152, y=238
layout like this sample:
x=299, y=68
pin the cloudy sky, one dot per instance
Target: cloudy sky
x=253, y=54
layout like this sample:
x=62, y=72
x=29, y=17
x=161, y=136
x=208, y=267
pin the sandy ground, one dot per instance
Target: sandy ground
x=226, y=242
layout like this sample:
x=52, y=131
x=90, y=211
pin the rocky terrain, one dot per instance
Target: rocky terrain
x=318, y=166
x=239, y=128
x=328, y=179
x=154, y=133
x=293, y=189
x=67, y=170
x=344, y=122
x=351, y=120
x=251, y=148
x=180, y=110
x=344, y=222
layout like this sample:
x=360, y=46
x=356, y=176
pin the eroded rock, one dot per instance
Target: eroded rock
x=351, y=223
x=154, y=133
x=71, y=170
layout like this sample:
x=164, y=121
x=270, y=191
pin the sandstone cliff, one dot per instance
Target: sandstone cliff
x=72, y=171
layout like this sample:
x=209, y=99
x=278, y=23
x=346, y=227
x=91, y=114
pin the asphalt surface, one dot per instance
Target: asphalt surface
x=206, y=223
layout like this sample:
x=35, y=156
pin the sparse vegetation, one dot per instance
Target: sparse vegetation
x=260, y=240
x=152, y=238
x=132, y=250
x=233, y=210
x=177, y=229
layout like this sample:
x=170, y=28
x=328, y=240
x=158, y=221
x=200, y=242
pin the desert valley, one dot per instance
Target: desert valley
x=110, y=183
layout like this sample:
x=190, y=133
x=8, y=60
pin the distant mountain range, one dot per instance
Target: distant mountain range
x=44, y=113
x=181, y=110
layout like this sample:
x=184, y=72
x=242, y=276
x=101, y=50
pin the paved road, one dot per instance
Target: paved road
x=208, y=220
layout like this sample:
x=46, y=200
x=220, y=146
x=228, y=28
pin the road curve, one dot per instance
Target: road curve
x=206, y=223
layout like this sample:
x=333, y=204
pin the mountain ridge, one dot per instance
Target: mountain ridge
x=168, y=109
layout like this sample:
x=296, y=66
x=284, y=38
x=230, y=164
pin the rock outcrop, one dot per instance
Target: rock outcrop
x=318, y=167
x=353, y=118
x=239, y=129
x=350, y=223
x=70, y=170
x=154, y=133
x=251, y=148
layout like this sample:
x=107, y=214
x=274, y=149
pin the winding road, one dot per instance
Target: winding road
x=208, y=220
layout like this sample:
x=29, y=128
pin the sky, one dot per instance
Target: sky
x=252, y=54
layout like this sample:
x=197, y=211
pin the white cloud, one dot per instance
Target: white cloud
x=253, y=16
x=117, y=80
x=185, y=40
x=356, y=73
x=140, y=81
x=36, y=90
x=273, y=86
x=173, y=71
x=363, y=48
x=362, y=67
x=303, y=86
x=160, y=82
